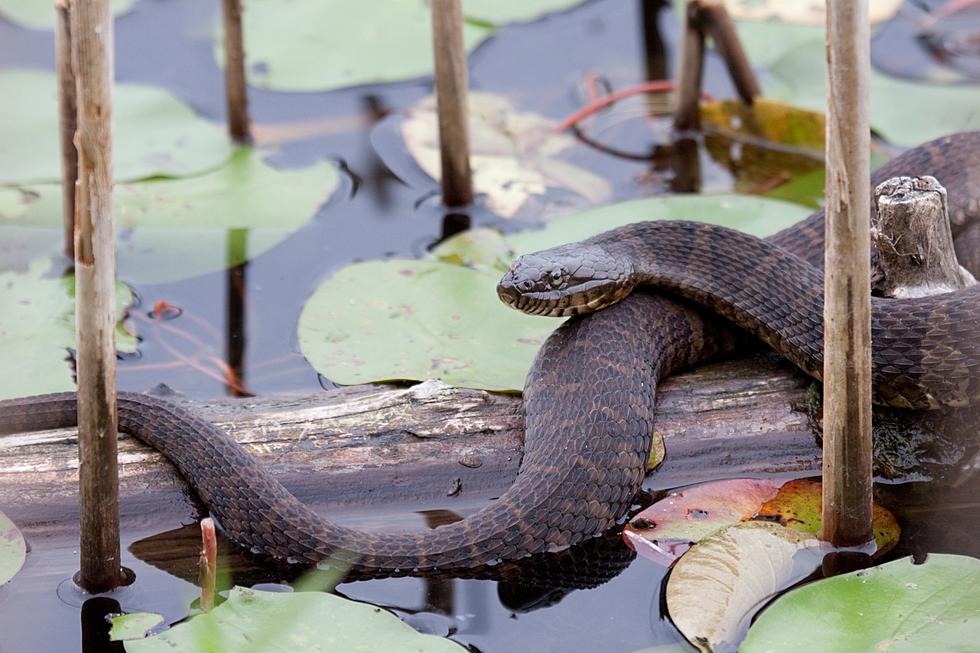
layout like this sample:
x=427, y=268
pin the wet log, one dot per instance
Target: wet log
x=358, y=452
x=426, y=445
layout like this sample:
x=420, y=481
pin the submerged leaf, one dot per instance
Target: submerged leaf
x=13, y=549
x=513, y=155
x=716, y=587
x=898, y=607
x=154, y=133
x=255, y=621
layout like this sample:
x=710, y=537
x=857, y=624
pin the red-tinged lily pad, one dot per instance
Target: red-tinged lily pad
x=665, y=530
x=13, y=549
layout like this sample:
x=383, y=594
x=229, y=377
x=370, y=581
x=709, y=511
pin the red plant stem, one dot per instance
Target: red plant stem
x=659, y=86
x=208, y=564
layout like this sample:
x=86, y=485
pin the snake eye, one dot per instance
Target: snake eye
x=556, y=276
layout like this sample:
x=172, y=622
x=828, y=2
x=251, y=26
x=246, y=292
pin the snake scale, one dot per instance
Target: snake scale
x=589, y=397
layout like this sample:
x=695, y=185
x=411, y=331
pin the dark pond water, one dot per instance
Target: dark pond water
x=247, y=315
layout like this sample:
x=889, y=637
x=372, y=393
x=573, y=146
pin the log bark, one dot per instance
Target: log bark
x=366, y=445
x=847, y=474
x=67, y=121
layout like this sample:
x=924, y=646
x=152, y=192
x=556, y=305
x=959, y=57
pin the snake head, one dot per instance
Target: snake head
x=566, y=280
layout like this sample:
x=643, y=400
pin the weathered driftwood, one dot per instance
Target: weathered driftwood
x=912, y=236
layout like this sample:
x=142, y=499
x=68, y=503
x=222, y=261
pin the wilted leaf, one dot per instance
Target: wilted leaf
x=716, y=587
x=513, y=155
x=192, y=220
x=665, y=530
x=407, y=319
x=134, y=625
x=13, y=549
x=154, y=133
x=253, y=621
x=898, y=607
x=798, y=505
x=37, y=326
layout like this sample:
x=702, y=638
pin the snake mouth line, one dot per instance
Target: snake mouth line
x=549, y=308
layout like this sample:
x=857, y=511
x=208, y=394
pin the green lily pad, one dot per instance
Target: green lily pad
x=253, y=621
x=715, y=588
x=13, y=549
x=898, y=607
x=403, y=319
x=433, y=319
x=792, y=61
x=311, y=45
x=515, y=156
x=40, y=15
x=134, y=625
x=315, y=45
x=189, y=221
x=37, y=326
x=154, y=133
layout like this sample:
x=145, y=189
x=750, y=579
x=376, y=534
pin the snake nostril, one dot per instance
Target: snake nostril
x=526, y=284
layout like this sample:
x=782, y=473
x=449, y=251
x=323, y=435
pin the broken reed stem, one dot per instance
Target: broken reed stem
x=236, y=93
x=847, y=475
x=95, y=273
x=451, y=101
x=717, y=23
x=687, y=115
x=208, y=564
x=912, y=236
x=67, y=120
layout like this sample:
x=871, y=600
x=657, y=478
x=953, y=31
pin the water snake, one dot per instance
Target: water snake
x=589, y=404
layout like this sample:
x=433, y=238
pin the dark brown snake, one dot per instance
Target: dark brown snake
x=589, y=397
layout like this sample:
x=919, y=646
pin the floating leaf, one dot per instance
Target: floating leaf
x=513, y=155
x=154, y=133
x=134, y=625
x=406, y=319
x=286, y=622
x=804, y=12
x=499, y=12
x=312, y=45
x=40, y=15
x=898, y=607
x=907, y=113
x=401, y=319
x=191, y=220
x=798, y=505
x=13, y=549
x=665, y=530
x=715, y=588
x=37, y=326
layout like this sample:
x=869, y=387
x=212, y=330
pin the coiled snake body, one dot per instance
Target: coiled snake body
x=589, y=397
